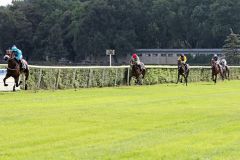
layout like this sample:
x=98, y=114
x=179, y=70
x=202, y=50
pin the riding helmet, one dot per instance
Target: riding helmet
x=14, y=48
x=134, y=56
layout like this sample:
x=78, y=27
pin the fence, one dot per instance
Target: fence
x=48, y=77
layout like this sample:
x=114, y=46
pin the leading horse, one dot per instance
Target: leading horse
x=183, y=70
x=14, y=70
x=138, y=73
x=216, y=69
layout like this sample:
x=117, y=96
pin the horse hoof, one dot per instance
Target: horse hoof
x=5, y=85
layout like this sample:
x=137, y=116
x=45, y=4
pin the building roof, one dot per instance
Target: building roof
x=180, y=50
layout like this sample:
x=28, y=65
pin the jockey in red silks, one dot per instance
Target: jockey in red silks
x=136, y=60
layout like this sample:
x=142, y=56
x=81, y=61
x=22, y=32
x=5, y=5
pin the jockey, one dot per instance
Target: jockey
x=18, y=56
x=223, y=63
x=183, y=59
x=215, y=59
x=136, y=60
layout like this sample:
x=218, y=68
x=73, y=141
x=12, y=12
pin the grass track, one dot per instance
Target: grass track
x=163, y=122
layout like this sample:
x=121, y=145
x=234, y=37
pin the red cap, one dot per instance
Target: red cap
x=134, y=56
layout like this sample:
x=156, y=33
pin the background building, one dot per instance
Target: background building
x=169, y=56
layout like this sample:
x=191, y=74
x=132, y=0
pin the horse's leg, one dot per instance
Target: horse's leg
x=26, y=78
x=143, y=73
x=181, y=77
x=186, y=77
x=4, y=80
x=215, y=79
x=14, y=88
x=137, y=80
x=140, y=79
x=16, y=81
x=129, y=80
x=221, y=72
x=178, y=78
x=227, y=73
x=212, y=76
x=222, y=75
x=186, y=80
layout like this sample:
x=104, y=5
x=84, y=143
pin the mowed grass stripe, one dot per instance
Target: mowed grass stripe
x=200, y=121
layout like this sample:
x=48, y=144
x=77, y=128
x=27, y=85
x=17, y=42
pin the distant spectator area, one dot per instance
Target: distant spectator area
x=170, y=56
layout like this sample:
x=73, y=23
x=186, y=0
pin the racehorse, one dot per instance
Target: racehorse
x=138, y=73
x=225, y=69
x=216, y=69
x=183, y=71
x=14, y=70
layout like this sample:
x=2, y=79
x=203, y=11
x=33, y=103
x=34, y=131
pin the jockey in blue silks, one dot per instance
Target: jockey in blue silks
x=18, y=55
x=17, y=52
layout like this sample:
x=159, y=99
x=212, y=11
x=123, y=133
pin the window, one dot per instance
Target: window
x=164, y=55
x=149, y=55
x=155, y=55
x=170, y=55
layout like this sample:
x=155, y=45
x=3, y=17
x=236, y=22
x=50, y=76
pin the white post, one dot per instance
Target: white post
x=109, y=53
x=110, y=60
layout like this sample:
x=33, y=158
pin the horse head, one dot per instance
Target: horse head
x=136, y=70
x=215, y=66
x=181, y=67
x=9, y=55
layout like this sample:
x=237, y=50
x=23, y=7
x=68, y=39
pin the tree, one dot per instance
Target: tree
x=81, y=29
x=231, y=48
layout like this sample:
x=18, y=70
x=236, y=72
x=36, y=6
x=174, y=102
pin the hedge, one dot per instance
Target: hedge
x=66, y=78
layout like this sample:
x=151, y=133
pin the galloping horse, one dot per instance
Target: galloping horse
x=14, y=69
x=225, y=69
x=183, y=71
x=216, y=69
x=138, y=73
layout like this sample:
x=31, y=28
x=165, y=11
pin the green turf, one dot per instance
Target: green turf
x=163, y=122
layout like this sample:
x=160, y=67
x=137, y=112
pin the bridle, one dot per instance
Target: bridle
x=10, y=56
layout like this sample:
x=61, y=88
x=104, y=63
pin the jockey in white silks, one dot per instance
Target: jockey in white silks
x=223, y=63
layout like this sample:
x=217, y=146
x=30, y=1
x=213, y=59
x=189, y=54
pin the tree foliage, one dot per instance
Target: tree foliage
x=232, y=48
x=48, y=30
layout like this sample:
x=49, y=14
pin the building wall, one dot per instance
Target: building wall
x=170, y=56
x=163, y=58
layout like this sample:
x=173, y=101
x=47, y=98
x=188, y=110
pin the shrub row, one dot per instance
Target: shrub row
x=84, y=78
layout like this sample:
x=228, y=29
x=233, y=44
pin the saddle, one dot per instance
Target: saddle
x=23, y=64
